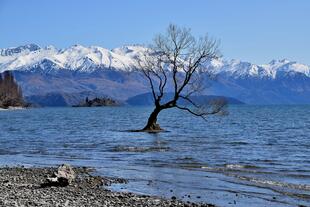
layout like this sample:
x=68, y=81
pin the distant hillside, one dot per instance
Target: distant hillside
x=55, y=99
x=47, y=71
x=146, y=99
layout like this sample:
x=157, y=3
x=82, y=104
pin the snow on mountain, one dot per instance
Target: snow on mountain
x=89, y=59
x=77, y=57
x=239, y=69
x=285, y=66
x=18, y=50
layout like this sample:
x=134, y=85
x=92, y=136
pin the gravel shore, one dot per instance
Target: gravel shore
x=21, y=186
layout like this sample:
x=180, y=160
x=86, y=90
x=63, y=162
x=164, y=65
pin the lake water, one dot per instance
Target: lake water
x=255, y=156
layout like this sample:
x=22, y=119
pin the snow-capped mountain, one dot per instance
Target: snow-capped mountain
x=19, y=50
x=239, y=69
x=98, y=70
x=77, y=57
x=88, y=59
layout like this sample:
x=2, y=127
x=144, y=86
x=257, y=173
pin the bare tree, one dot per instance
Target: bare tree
x=176, y=60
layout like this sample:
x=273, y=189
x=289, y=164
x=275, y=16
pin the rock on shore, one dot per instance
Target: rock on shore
x=21, y=186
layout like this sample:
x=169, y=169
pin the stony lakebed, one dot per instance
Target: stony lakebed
x=52, y=186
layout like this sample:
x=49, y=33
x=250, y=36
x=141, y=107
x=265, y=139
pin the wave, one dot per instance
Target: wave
x=276, y=183
x=139, y=149
x=236, y=143
x=234, y=168
x=238, y=166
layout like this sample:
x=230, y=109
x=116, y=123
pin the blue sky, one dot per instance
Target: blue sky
x=250, y=30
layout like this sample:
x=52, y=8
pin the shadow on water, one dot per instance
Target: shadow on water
x=145, y=131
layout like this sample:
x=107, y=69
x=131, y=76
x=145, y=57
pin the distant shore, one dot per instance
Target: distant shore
x=12, y=108
x=24, y=187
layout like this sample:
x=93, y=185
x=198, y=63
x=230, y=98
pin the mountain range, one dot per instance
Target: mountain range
x=71, y=74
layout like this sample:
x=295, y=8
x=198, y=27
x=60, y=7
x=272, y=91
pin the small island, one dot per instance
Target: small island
x=97, y=102
x=11, y=95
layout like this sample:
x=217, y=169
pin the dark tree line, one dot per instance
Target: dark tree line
x=10, y=91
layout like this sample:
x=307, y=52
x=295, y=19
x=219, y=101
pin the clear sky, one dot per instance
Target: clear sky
x=250, y=30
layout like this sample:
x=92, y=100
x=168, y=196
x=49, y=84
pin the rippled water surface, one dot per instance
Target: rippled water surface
x=255, y=156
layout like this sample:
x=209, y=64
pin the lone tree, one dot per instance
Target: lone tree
x=176, y=62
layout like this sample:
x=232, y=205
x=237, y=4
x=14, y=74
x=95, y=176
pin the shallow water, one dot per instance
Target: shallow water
x=255, y=156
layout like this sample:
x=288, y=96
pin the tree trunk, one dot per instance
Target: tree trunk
x=152, y=121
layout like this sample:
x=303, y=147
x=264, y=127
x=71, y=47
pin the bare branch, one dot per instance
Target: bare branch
x=214, y=107
x=176, y=61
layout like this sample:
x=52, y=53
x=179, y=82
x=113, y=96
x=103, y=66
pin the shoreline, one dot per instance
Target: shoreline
x=13, y=108
x=22, y=186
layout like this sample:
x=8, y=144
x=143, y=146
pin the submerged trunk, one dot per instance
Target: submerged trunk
x=152, y=121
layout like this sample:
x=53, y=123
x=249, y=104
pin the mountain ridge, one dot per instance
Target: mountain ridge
x=87, y=59
x=98, y=70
